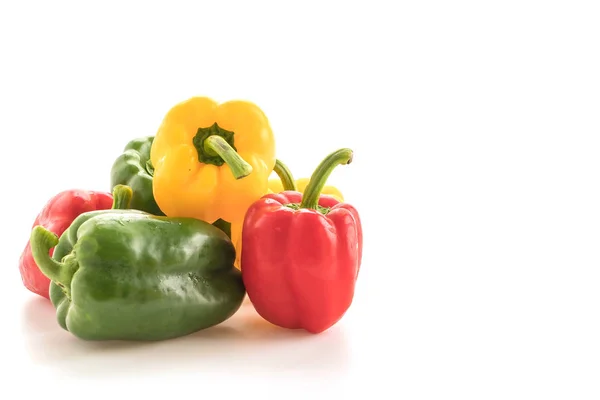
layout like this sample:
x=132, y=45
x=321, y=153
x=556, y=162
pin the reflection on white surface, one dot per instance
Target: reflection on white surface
x=245, y=343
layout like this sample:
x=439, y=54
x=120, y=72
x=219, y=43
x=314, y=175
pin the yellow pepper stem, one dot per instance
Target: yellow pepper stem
x=284, y=173
x=319, y=177
x=239, y=167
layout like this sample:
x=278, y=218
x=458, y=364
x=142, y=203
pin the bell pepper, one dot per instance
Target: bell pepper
x=302, y=254
x=211, y=160
x=129, y=275
x=134, y=169
x=284, y=181
x=56, y=216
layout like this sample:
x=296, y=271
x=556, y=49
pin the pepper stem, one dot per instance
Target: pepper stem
x=318, y=179
x=41, y=241
x=122, y=195
x=149, y=168
x=284, y=173
x=239, y=167
x=224, y=226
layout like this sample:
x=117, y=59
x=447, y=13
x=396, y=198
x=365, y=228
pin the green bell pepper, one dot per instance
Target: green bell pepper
x=130, y=275
x=134, y=169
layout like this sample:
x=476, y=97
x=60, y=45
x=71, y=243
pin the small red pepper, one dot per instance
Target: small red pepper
x=301, y=254
x=56, y=216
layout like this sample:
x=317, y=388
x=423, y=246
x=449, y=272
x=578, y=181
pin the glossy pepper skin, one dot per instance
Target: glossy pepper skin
x=56, y=216
x=129, y=275
x=211, y=160
x=133, y=168
x=302, y=254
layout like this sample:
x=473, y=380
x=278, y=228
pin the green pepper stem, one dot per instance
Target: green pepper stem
x=122, y=195
x=239, y=167
x=318, y=179
x=224, y=226
x=41, y=241
x=284, y=173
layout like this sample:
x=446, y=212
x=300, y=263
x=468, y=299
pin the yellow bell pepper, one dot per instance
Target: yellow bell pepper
x=275, y=186
x=212, y=161
x=284, y=181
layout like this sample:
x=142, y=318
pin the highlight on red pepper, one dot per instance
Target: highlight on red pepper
x=56, y=216
x=302, y=253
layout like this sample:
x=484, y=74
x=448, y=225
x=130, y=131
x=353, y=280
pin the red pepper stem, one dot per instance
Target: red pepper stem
x=238, y=166
x=122, y=195
x=284, y=173
x=318, y=179
x=41, y=241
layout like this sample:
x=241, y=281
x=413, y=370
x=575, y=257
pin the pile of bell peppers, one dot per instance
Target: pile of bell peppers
x=193, y=224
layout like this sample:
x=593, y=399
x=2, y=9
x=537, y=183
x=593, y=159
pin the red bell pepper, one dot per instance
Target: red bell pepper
x=56, y=216
x=301, y=254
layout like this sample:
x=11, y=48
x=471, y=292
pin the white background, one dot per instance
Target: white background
x=475, y=128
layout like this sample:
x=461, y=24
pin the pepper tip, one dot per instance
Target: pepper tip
x=351, y=157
